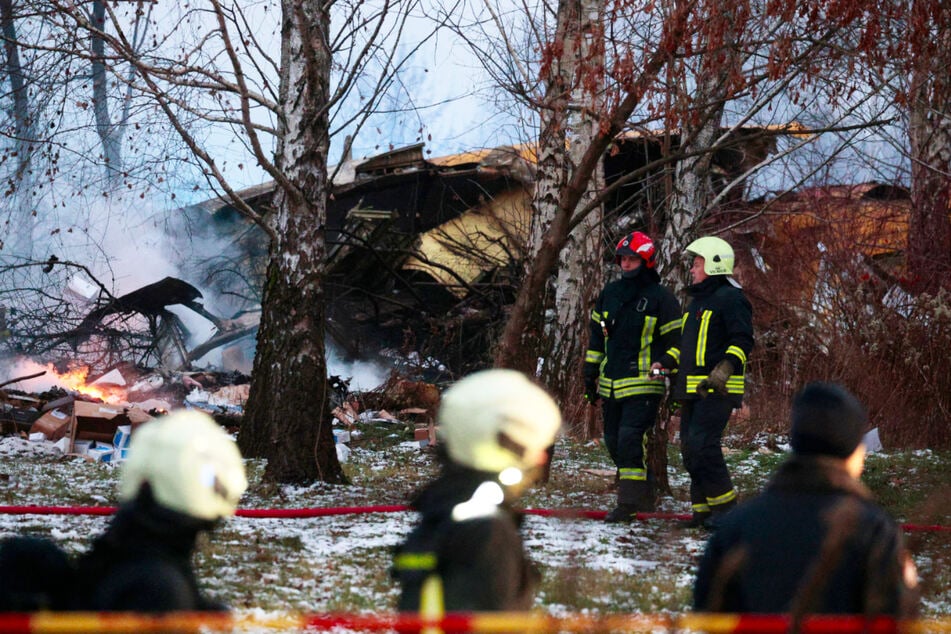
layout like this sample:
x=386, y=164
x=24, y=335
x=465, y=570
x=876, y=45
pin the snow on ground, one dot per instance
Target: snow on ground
x=341, y=563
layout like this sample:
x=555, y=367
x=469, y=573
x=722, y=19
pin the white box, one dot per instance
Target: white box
x=341, y=435
x=37, y=437
x=82, y=447
x=122, y=436
x=101, y=453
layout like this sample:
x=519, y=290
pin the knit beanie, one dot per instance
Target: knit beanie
x=826, y=420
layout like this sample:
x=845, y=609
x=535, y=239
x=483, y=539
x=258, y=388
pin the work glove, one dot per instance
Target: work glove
x=716, y=381
x=591, y=391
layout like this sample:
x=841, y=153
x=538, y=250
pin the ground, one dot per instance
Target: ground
x=341, y=563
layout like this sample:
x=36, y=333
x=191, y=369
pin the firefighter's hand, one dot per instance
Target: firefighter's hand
x=716, y=381
x=591, y=392
x=657, y=372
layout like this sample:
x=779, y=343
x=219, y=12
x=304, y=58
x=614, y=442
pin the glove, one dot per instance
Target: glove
x=591, y=391
x=716, y=381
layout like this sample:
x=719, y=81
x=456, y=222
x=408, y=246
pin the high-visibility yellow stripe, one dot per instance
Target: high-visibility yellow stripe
x=700, y=507
x=675, y=353
x=736, y=384
x=647, y=336
x=431, y=602
x=632, y=474
x=670, y=326
x=737, y=352
x=593, y=356
x=729, y=496
x=702, y=337
x=596, y=316
x=415, y=561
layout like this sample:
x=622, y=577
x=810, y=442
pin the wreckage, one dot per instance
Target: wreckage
x=425, y=254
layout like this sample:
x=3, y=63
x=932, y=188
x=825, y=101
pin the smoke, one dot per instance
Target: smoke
x=26, y=367
x=362, y=375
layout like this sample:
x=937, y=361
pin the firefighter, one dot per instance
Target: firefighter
x=813, y=541
x=466, y=553
x=710, y=358
x=184, y=474
x=634, y=321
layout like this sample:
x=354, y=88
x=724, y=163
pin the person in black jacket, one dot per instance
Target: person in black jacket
x=466, y=553
x=715, y=340
x=634, y=321
x=183, y=475
x=813, y=542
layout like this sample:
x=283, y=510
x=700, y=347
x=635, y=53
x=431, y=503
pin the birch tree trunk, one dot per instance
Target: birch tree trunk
x=558, y=321
x=108, y=131
x=287, y=419
x=19, y=237
x=579, y=275
x=703, y=115
x=929, y=231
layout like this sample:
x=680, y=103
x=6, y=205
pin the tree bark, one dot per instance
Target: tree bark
x=579, y=275
x=287, y=419
x=518, y=341
x=929, y=228
x=107, y=130
x=19, y=240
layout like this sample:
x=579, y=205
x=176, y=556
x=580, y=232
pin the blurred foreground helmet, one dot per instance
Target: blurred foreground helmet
x=717, y=255
x=190, y=463
x=497, y=419
x=638, y=244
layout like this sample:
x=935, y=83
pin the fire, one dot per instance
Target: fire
x=75, y=380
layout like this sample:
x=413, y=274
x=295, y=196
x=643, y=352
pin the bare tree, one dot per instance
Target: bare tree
x=287, y=417
x=929, y=131
x=20, y=222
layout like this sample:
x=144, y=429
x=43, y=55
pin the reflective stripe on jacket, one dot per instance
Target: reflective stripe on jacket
x=633, y=322
x=717, y=325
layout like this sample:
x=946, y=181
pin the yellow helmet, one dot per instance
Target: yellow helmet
x=717, y=255
x=190, y=463
x=496, y=419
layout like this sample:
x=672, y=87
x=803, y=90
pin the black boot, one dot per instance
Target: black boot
x=633, y=497
x=698, y=520
x=621, y=513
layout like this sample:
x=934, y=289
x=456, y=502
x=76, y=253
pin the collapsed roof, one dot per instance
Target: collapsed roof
x=413, y=239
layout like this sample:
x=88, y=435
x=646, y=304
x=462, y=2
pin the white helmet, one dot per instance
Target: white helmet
x=716, y=252
x=190, y=463
x=496, y=419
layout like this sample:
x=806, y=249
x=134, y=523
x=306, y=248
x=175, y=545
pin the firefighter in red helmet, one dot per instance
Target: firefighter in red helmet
x=634, y=321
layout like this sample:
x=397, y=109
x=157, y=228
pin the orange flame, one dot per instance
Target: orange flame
x=75, y=380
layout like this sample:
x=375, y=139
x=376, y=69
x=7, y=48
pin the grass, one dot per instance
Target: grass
x=341, y=563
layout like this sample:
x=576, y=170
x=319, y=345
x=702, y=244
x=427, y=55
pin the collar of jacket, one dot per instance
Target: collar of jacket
x=641, y=276
x=707, y=286
x=817, y=474
x=454, y=485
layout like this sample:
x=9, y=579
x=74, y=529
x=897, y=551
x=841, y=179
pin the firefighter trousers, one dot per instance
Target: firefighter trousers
x=626, y=424
x=701, y=430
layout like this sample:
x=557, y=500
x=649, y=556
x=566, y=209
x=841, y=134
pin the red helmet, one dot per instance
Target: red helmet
x=638, y=244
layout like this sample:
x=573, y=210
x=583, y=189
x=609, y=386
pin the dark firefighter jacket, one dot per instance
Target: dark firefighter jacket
x=142, y=562
x=472, y=562
x=634, y=321
x=813, y=542
x=716, y=325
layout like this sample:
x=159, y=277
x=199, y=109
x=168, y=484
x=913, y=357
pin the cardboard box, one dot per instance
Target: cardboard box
x=123, y=435
x=101, y=453
x=82, y=420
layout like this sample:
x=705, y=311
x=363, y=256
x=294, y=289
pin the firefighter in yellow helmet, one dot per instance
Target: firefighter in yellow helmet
x=715, y=341
x=466, y=553
x=184, y=474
